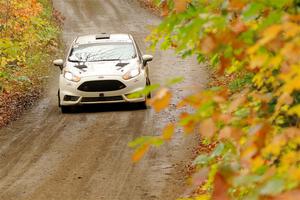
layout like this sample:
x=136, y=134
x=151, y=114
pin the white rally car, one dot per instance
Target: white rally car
x=104, y=68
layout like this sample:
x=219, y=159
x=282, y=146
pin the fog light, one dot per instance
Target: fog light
x=70, y=98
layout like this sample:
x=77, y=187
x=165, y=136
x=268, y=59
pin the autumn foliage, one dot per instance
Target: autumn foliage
x=27, y=33
x=254, y=117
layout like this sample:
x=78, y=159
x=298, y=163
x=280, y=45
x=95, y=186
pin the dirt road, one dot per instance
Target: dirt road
x=47, y=155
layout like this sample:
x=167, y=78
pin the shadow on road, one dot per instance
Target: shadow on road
x=111, y=107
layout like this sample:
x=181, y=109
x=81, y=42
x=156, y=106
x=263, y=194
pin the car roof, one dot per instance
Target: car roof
x=102, y=38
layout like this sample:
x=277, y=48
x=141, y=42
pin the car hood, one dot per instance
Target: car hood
x=103, y=68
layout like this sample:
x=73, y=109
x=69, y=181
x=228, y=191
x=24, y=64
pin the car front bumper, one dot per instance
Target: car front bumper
x=70, y=94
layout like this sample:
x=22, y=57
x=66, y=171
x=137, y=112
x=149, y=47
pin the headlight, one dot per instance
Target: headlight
x=71, y=77
x=131, y=74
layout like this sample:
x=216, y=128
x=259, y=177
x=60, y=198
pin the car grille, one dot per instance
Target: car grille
x=101, y=86
x=96, y=99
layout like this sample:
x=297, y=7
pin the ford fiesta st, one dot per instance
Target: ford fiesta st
x=104, y=68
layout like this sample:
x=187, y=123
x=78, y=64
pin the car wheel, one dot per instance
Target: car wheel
x=142, y=105
x=65, y=109
x=58, y=98
x=147, y=84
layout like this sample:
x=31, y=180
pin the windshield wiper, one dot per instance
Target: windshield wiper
x=115, y=59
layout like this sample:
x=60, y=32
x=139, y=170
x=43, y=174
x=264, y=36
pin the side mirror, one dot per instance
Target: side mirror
x=147, y=58
x=59, y=63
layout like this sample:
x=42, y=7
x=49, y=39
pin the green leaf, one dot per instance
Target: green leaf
x=242, y=112
x=252, y=11
x=202, y=160
x=273, y=18
x=219, y=150
x=273, y=186
x=239, y=83
x=23, y=79
x=214, y=60
x=248, y=37
x=139, y=141
x=4, y=75
x=157, y=142
x=174, y=81
x=147, y=90
x=246, y=180
x=206, y=109
x=279, y=4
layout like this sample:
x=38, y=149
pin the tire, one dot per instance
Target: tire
x=65, y=109
x=142, y=105
x=58, y=98
x=147, y=84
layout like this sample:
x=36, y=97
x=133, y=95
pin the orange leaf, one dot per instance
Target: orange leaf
x=140, y=152
x=224, y=63
x=190, y=126
x=291, y=132
x=208, y=44
x=161, y=100
x=230, y=133
x=199, y=177
x=238, y=100
x=181, y=5
x=270, y=33
x=207, y=128
x=165, y=9
x=220, y=188
x=237, y=26
x=168, y=132
x=235, y=5
x=261, y=134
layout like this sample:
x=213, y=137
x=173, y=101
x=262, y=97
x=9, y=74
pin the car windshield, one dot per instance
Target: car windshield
x=102, y=52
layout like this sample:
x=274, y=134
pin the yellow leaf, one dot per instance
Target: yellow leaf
x=3, y=62
x=295, y=110
x=248, y=153
x=257, y=162
x=291, y=29
x=270, y=33
x=168, y=132
x=253, y=48
x=291, y=52
x=258, y=60
x=275, y=61
x=161, y=100
x=140, y=152
x=203, y=197
x=289, y=158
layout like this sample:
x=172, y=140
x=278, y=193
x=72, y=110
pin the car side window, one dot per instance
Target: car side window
x=139, y=52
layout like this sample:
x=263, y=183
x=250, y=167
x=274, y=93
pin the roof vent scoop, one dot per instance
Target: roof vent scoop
x=102, y=36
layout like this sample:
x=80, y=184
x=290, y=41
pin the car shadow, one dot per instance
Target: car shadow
x=109, y=107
